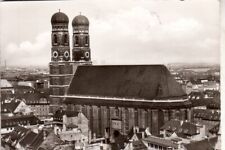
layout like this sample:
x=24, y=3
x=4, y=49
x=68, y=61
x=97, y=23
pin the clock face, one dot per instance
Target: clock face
x=55, y=54
x=66, y=54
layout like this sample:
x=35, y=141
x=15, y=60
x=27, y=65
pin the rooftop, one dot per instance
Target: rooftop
x=147, y=83
x=160, y=141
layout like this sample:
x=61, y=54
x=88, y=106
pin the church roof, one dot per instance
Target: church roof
x=148, y=82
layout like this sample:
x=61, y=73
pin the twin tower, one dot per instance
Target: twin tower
x=64, y=61
x=61, y=42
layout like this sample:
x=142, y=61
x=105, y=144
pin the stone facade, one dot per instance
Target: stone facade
x=101, y=117
x=62, y=66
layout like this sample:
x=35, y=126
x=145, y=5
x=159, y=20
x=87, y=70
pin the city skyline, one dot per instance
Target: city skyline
x=128, y=32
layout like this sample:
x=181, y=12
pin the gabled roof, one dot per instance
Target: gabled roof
x=171, y=125
x=215, y=129
x=160, y=141
x=34, y=98
x=182, y=129
x=12, y=121
x=139, y=134
x=136, y=145
x=206, y=144
x=37, y=140
x=5, y=84
x=126, y=81
x=16, y=135
x=206, y=114
x=188, y=128
x=60, y=113
x=9, y=107
x=139, y=145
x=22, y=87
x=71, y=113
x=27, y=140
x=214, y=103
x=50, y=142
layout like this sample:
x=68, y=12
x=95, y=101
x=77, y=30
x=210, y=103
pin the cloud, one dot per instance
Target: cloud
x=29, y=53
x=121, y=32
x=137, y=35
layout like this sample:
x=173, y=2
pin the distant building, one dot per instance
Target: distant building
x=24, y=139
x=211, y=85
x=15, y=107
x=204, y=85
x=42, y=85
x=6, y=86
x=50, y=141
x=197, y=86
x=23, y=89
x=137, y=133
x=205, y=144
x=18, y=138
x=26, y=83
x=9, y=123
x=136, y=145
x=184, y=130
x=157, y=143
x=75, y=128
x=39, y=103
x=71, y=126
x=187, y=87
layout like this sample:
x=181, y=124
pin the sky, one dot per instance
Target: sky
x=121, y=32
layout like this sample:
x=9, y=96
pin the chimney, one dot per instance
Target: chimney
x=134, y=129
x=94, y=136
x=143, y=135
x=44, y=134
x=201, y=130
x=181, y=122
x=137, y=129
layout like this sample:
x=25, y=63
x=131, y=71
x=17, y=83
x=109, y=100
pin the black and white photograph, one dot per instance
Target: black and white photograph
x=111, y=74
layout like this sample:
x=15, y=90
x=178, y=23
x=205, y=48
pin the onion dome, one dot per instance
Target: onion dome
x=59, y=17
x=80, y=21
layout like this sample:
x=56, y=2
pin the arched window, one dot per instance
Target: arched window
x=55, y=38
x=76, y=40
x=65, y=39
x=86, y=40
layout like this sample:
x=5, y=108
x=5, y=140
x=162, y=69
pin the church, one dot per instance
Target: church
x=112, y=97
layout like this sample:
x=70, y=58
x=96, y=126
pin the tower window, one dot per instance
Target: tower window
x=66, y=39
x=55, y=38
x=86, y=40
x=76, y=40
